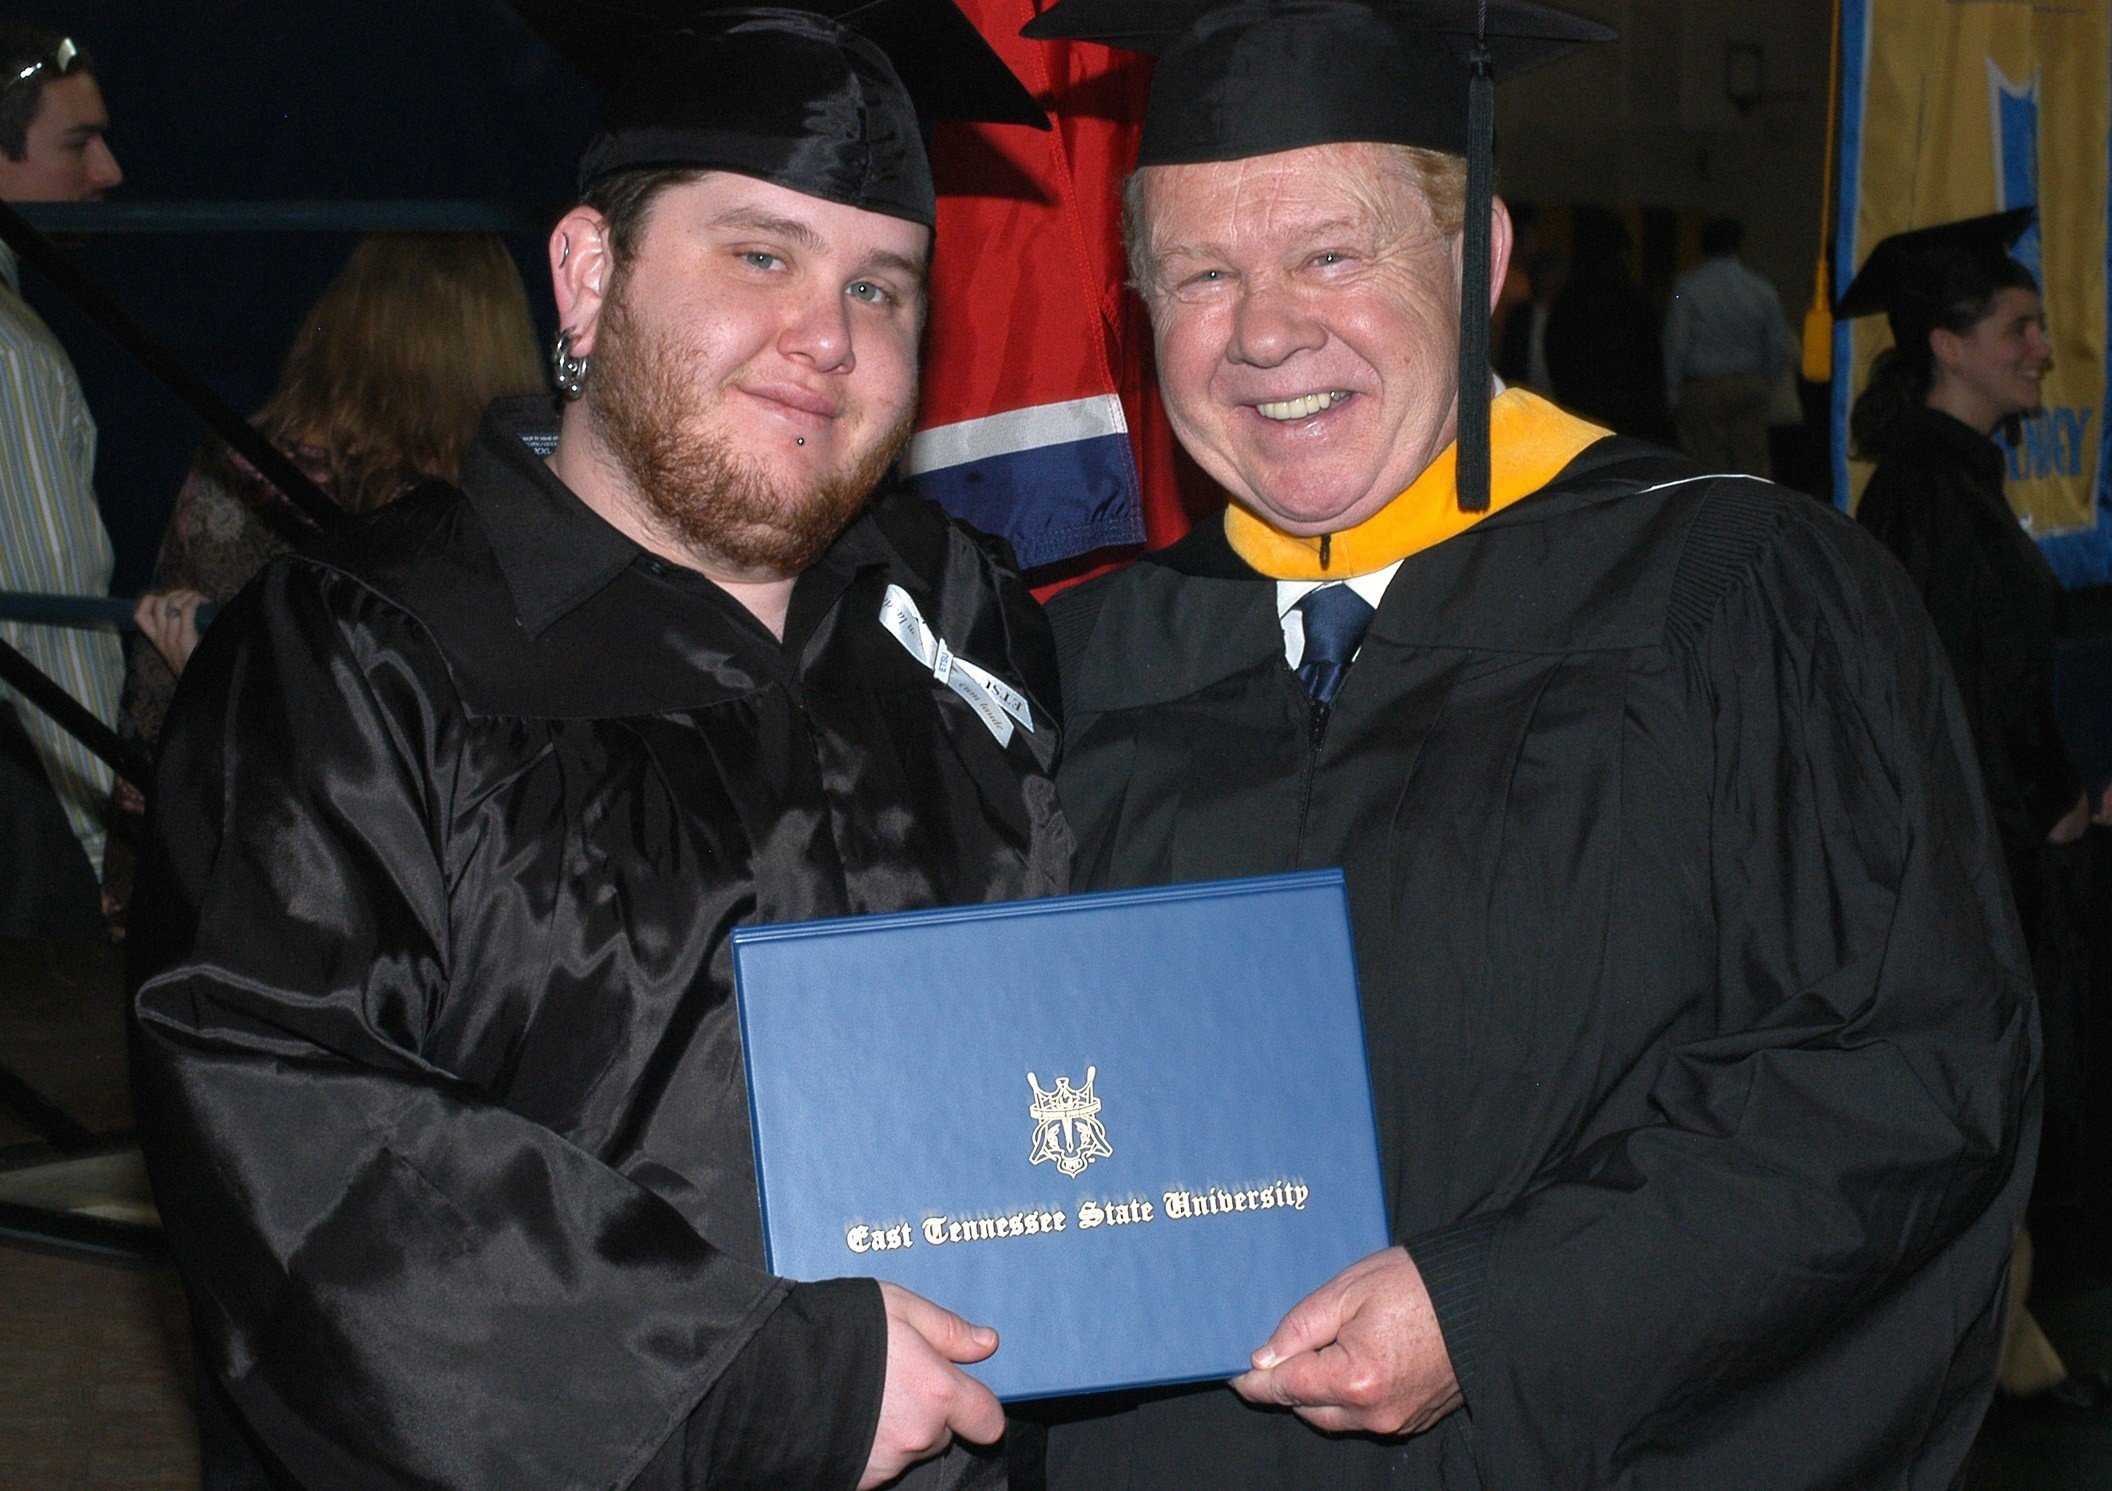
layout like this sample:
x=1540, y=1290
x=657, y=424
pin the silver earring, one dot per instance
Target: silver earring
x=567, y=371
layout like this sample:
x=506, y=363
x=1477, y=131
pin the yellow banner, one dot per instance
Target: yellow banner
x=1970, y=108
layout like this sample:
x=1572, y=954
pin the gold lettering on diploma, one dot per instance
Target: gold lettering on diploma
x=938, y=1231
x=1175, y=1205
x=1217, y=1201
x=862, y=1239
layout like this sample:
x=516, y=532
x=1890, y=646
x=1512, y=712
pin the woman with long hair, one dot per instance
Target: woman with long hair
x=1969, y=352
x=382, y=390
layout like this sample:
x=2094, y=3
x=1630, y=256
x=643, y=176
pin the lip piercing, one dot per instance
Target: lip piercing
x=799, y=440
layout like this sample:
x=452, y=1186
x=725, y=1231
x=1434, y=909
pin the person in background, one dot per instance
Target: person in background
x=52, y=539
x=382, y=390
x=1969, y=351
x=1603, y=357
x=1726, y=342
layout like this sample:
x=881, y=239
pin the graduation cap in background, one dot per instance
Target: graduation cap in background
x=1240, y=78
x=826, y=97
x=1916, y=277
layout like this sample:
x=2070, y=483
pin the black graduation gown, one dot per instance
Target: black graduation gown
x=442, y=1094
x=1701, y=1041
x=1938, y=504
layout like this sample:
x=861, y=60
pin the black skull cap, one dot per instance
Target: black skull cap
x=826, y=97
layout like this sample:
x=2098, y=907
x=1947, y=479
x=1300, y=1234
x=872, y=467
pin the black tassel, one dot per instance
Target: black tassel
x=1473, y=472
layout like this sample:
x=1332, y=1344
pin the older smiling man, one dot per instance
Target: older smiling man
x=442, y=1089
x=1699, y=1030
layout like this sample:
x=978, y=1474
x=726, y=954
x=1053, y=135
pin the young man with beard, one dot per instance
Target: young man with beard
x=441, y=1084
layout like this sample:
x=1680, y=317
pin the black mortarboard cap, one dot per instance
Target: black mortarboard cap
x=1240, y=78
x=1913, y=270
x=826, y=97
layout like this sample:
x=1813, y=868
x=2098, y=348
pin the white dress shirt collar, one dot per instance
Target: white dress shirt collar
x=1290, y=592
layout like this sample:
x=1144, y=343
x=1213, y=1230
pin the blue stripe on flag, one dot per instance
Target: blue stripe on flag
x=1855, y=73
x=1053, y=503
x=2016, y=119
x=2079, y=563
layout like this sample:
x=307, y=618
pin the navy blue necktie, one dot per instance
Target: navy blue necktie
x=1335, y=618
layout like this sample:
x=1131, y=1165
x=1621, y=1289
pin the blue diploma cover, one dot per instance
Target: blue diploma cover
x=1127, y=1130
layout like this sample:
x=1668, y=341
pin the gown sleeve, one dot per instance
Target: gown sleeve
x=1832, y=1169
x=398, y=1281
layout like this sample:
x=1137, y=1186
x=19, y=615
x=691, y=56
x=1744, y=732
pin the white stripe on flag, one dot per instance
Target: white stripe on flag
x=1016, y=430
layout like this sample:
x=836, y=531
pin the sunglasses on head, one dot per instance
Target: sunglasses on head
x=58, y=62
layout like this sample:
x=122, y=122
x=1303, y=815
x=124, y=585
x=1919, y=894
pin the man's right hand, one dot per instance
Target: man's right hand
x=928, y=1400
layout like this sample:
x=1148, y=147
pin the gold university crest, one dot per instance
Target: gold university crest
x=1067, y=1127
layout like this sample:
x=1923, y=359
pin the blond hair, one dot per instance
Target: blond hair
x=1440, y=180
x=397, y=359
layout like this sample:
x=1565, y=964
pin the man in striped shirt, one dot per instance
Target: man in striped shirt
x=52, y=149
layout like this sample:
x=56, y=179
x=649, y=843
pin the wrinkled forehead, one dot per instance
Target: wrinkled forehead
x=1361, y=190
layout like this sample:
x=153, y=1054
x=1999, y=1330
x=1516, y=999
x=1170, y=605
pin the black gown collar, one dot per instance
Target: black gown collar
x=1950, y=438
x=533, y=598
x=1194, y=614
x=555, y=553
x=553, y=550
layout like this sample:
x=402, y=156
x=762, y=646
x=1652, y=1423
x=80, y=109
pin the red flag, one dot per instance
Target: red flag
x=1041, y=417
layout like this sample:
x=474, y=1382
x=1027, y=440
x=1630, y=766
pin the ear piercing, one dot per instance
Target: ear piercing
x=567, y=370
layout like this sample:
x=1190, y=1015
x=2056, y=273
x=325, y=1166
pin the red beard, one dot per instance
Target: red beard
x=725, y=509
